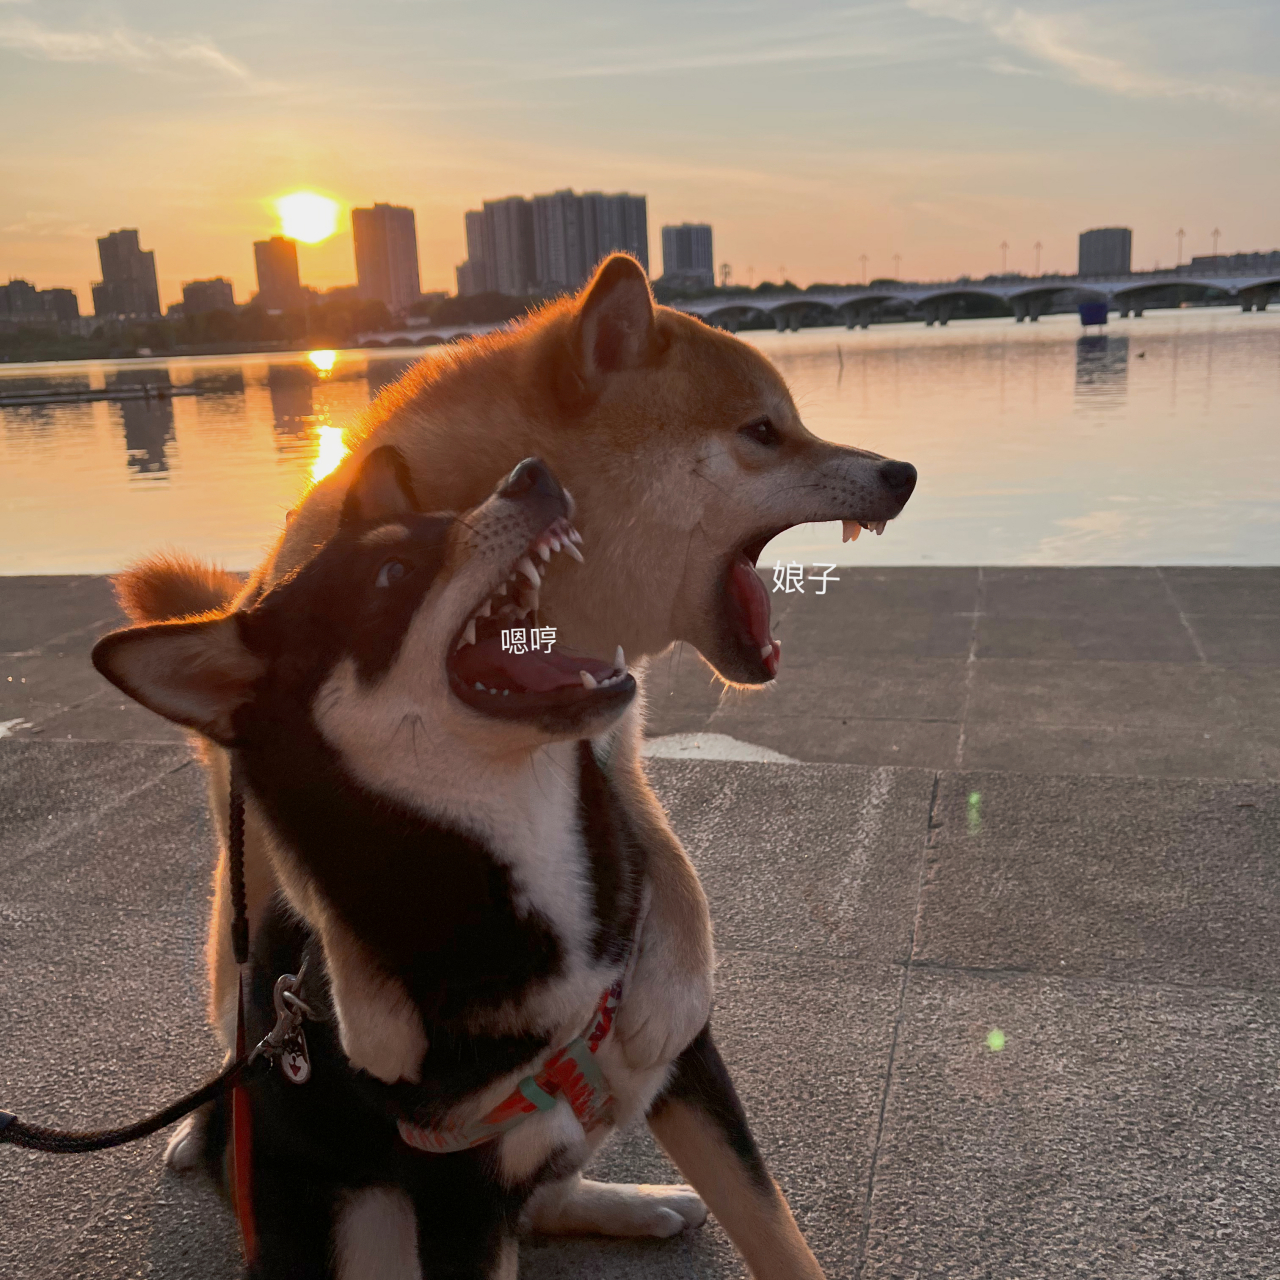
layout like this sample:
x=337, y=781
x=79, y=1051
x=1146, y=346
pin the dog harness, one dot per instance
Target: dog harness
x=571, y=1073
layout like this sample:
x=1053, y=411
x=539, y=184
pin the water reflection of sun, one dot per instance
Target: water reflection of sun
x=323, y=361
x=331, y=451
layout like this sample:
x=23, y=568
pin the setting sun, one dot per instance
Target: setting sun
x=307, y=217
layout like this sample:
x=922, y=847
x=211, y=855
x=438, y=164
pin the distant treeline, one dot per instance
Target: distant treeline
x=327, y=324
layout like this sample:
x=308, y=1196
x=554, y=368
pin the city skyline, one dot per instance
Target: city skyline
x=928, y=131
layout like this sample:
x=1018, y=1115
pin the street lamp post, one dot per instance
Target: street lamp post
x=1181, y=234
x=897, y=266
x=1004, y=257
x=1038, y=247
x=1216, y=234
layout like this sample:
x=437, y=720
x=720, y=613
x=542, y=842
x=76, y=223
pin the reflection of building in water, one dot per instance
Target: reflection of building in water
x=382, y=373
x=148, y=431
x=1102, y=367
x=148, y=423
x=291, y=407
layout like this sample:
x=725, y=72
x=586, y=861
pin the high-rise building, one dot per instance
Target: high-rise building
x=573, y=233
x=473, y=275
x=128, y=288
x=20, y=300
x=202, y=296
x=386, y=239
x=551, y=243
x=277, y=263
x=687, y=253
x=61, y=304
x=616, y=224
x=22, y=303
x=1106, y=251
x=508, y=231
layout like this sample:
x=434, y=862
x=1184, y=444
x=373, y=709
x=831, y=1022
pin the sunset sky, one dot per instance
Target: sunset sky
x=807, y=134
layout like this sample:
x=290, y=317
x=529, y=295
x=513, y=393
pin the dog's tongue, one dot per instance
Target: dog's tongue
x=753, y=604
x=485, y=663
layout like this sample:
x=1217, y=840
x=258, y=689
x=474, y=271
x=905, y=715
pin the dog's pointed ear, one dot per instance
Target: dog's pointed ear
x=616, y=327
x=197, y=674
x=382, y=489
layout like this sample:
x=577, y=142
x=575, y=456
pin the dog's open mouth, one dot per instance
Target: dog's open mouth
x=504, y=663
x=749, y=609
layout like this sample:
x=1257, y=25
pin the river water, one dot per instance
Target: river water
x=1157, y=442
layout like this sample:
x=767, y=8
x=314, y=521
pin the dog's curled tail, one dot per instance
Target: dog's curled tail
x=172, y=584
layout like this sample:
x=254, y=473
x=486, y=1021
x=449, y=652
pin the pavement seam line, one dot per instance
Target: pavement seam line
x=971, y=664
x=97, y=814
x=864, y=1236
x=60, y=638
x=1182, y=616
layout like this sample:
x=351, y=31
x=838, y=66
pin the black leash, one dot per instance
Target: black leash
x=34, y=1137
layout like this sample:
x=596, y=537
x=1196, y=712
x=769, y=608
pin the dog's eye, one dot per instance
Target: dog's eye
x=762, y=431
x=391, y=572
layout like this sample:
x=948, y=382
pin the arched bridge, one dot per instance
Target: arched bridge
x=1029, y=299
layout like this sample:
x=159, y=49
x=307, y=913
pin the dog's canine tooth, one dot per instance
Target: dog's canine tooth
x=879, y=527
x=469, y=633
x=575, y=536
x=588, y=681
x=555, y=544
x=573, y=551
x=619, y=660
x=851, y=530
x=525, y=566
x=544, y=551
x=766, y=650
x=485, y=609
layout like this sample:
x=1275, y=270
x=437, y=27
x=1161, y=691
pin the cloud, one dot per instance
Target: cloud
x=1055, y=40
x=129, y=48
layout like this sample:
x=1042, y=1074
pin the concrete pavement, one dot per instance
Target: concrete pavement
x=1038, y=801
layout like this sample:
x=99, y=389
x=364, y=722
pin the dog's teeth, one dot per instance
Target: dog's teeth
x=879, y=527
x=619, y=660
x=851, y=530
x=502, y=589
x=588, y=681
x=505, y=692
x=494, y=692
x=526, y=567
x=575, y=536
x=573, y=551
x=555, y=544
x=545, y=552
x=766, y=650
x=485, y=609
x=469, y=634
x=479, y=686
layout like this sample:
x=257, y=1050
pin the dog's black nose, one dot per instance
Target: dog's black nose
x=899, y=478
x=531, y=476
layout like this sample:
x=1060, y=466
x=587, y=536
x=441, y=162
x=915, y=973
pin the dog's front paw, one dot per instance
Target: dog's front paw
x=186, y=1148
x=581, y=1207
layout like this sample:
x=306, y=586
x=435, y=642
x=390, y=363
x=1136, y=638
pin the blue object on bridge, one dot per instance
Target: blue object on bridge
x=1093, y=313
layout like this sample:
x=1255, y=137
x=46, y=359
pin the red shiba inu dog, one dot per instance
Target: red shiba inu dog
x=684, y=455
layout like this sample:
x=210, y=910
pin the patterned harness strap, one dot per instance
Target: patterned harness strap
x=571, y=1073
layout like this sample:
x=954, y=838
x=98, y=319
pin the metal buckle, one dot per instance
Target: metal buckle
x=286, y=1042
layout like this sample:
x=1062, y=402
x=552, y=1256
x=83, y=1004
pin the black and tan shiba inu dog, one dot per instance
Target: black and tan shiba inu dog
x=459, y=878
x=685, y=454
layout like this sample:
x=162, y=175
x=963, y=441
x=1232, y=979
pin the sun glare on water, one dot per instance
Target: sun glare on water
x=331, y=452
x=308, y=217
x=323, y=361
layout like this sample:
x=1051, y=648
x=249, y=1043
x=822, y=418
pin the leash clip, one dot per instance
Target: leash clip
x=286, y=1041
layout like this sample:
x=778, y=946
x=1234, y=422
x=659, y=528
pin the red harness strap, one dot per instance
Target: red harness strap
x=240, y=1150
x=571, y=1073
